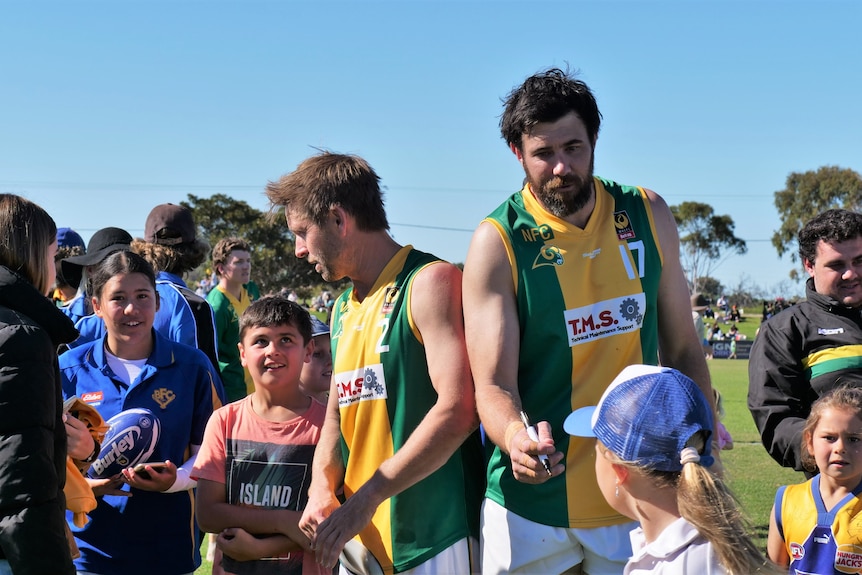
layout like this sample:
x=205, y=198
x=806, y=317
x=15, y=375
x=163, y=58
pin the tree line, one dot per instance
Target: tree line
x=707, y=239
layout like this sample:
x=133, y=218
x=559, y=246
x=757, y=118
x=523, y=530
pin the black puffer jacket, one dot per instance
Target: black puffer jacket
x=32, y=434
x=798, y=356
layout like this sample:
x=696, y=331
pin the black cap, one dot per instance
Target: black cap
x=103, y=243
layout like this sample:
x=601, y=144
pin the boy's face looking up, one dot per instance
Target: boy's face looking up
x=317, y=373
x=274, y=355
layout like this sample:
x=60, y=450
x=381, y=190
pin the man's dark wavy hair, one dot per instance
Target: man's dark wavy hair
x=547, y=97
x=829, y=226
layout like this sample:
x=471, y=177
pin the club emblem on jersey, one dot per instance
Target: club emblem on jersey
x=797, y=551
x=389, y=299
x=623, y=225
x=163, y=397
x=548, y=256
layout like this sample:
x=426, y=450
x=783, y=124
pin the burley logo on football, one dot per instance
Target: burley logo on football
x=604, y=319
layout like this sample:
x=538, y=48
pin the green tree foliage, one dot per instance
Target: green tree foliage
x=807, y=194
x=711, y=287
x=706, y=239
x=274, y=264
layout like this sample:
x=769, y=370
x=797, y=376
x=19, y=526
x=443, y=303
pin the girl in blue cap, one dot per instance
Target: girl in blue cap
x=654, y=429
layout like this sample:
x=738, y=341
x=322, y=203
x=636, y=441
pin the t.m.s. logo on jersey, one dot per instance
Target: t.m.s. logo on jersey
x=364, y=384
x=623, y=225
x=604, y=319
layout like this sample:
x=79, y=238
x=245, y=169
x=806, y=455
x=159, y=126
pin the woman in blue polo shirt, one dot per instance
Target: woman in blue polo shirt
x=141, y=525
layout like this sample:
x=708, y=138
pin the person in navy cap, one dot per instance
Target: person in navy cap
x=69, y=244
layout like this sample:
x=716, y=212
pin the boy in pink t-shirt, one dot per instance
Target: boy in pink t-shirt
x=254, y=466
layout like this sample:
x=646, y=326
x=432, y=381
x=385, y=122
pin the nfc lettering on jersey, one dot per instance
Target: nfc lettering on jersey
x=604, y=319
x=363, y=384
x=542, y=233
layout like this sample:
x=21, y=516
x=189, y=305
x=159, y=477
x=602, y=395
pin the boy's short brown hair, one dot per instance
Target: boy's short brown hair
x=222, y=250
x=275, y=310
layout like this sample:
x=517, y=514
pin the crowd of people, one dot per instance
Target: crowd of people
x=547, y=410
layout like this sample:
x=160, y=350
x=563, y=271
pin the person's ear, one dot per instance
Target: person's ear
x=809, y=267
x=339, y=218
x=309, y=351
x=97, y=307
x=517, y=151
x=241, y=353
x=621, y=471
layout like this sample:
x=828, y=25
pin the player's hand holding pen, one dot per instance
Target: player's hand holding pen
x=532, y=451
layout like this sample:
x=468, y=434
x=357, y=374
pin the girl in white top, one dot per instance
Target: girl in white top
x=654, y=427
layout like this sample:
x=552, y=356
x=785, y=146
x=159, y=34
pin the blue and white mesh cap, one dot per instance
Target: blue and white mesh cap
x=318, y=327
x=646, y=416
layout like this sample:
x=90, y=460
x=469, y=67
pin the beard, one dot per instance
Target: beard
x=564, y=203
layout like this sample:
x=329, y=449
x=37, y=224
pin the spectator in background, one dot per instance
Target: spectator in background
x=69, y=244
x=699, y=304
x=232, y=264
x=316, y=377
x=800, y=353
x=143, y=524
x=32, y=434
x=103, y=243
x=171, y=246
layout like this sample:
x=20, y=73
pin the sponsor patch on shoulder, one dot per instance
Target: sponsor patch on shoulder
x=623, y=225
x=829, y=330
x=389, y=299
x=848, y=559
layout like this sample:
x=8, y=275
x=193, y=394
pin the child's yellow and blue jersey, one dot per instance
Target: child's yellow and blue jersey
x=817, y=540
x=384, y=392
x=587, y=308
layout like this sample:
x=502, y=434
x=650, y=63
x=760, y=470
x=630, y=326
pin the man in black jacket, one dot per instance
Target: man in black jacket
x=805, y=351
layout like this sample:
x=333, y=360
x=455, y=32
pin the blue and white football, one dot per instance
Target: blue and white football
x=131, y=439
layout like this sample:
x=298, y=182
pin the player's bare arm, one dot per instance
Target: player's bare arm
x=679, y=346
x=493, y=342
x=327, y=469
x=435, y=305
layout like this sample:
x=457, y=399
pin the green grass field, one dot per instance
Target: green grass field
x=751, y=473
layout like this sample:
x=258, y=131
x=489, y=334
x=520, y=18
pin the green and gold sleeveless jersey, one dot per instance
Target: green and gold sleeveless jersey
x=384, y=391
x=587, y=308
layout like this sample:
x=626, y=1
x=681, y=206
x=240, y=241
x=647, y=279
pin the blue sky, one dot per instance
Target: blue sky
x=109, y=108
